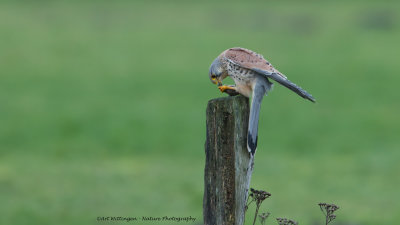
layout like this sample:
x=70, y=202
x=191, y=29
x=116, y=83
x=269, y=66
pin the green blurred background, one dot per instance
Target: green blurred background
x=102, y=107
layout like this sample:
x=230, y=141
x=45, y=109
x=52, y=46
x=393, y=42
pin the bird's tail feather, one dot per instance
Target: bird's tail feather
x=252, y=135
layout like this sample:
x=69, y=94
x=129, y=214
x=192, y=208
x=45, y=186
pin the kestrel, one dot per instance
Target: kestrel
x=251, y=73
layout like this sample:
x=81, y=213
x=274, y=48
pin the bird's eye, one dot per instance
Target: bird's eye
x=213, y=76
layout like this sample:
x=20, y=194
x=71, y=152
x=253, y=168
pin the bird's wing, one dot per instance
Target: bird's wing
x=287, y=83
x=250, y=60
x=256, y=62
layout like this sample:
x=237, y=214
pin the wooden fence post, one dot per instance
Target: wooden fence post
x=228, y=166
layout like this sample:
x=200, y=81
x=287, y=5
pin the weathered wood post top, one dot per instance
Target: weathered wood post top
x=228, y=166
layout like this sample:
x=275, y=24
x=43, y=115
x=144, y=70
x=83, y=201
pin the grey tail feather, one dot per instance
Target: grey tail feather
x=252, y=144
x=287, y=83
x=252, y=135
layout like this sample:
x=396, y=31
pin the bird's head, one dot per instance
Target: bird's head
x=216, y=72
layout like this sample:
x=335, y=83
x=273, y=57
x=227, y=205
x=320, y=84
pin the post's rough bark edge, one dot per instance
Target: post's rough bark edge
x=228, y=166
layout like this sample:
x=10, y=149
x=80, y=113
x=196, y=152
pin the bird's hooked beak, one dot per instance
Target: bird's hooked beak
x=216, y=80
x=215, y=72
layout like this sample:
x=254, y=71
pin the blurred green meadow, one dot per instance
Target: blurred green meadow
x=102, y=108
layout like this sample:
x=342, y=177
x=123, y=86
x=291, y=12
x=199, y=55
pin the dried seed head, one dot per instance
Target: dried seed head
x=264, y=215
x=284, y=221
x=328, y=210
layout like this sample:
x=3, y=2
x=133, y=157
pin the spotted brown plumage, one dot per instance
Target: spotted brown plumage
x=251, y=73
x=246, y=58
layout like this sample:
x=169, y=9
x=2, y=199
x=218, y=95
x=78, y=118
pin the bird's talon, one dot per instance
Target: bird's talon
x=223, y=88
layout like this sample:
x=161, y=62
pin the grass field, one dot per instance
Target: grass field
x=102, y=108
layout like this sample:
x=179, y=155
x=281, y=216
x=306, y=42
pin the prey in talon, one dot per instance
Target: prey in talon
x=229, y=89
x=251, y=74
